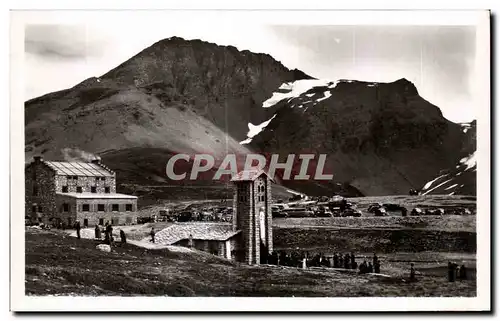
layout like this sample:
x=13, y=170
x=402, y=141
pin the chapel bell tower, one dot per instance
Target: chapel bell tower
x=252, y=215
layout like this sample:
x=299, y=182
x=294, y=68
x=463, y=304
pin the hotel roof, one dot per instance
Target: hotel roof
x=79, y=169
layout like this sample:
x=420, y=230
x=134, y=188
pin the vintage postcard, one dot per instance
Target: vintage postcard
x=176, y=160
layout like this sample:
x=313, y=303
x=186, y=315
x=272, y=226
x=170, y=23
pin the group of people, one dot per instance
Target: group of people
x=108, y=233
x=456, y=272
x=303, y=259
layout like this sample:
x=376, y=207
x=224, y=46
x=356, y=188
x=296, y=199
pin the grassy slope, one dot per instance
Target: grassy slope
x=54, y=265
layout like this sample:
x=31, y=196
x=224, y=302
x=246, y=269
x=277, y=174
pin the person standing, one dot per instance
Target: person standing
x=111, y=238
x=362, y=267
x=412, y=272
x=376, y=266
x=463, y=273
x=152, y=233
x=354, y=265
x=190, y=244
x=452, y=272
x=77, y=227
x=97, y=232
x=346, y=261
x=335, y=260
x=123, y=237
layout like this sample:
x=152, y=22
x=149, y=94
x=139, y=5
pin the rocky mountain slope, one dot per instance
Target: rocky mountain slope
x=381, y=138
x=461, y=178
x=181, y=96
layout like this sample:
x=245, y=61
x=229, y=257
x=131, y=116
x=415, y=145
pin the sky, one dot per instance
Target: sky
x=439, y=60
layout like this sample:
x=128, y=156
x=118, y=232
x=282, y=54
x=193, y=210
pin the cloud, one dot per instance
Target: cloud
x=62, y=42
x=439, y=60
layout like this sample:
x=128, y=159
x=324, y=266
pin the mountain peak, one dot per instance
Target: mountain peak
x=406, y=86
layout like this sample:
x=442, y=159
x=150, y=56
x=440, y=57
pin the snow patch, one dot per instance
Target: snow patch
x=436, y=187
x=428, y=184
x=310, y=95
x=254, y=130
x=294, y=192
x=450, y=187
x=469, y=161
x=246, y=141
x=465, y=126
x=451, y=193
x=294, y=89
x=327, y=95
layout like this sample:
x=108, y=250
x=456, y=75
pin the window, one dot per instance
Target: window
x=65, y=207
x=115, y=220
x=69, y=177
x=128, y=207
x=103, y=178
x=115, y=208
x=85, y=207
x=35, y=190
x=128, y=220
x=93, y=189
x=40, y=209
x=100, y=207
x=65, y=189
x=78, y=189
x=101, y=221
x=107, y=190
x=75, y=177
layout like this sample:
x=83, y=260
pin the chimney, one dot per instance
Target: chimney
x=37, y=159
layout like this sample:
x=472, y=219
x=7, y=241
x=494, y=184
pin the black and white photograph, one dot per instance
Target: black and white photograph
x=272, y=155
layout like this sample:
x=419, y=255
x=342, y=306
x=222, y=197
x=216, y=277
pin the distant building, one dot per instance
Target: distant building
x=248, y=239
x=69, y=191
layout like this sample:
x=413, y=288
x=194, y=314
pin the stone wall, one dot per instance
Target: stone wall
x=120, y=217
x=40, y=177
x=86, y=182
x=215, y=247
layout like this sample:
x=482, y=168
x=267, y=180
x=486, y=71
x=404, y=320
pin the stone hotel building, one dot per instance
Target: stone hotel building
x=69, y=191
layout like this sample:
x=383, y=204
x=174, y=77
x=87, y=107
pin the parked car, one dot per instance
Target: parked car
x=184, y=216
x=298, y=212
x=416, y=212
x=352, y=212
x=323, y=211
x=374, y=206
x=380, y=211
x=276, y=212
x=438, y=211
